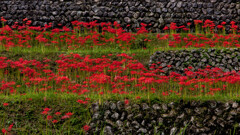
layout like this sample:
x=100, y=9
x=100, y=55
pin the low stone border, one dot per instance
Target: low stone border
x=226, y=59
x=158, y=13
x=193, y=117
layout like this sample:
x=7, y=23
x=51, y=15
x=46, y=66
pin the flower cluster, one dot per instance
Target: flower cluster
x=84, y=75
x=107, y=35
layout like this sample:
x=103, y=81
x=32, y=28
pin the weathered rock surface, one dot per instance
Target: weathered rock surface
x=157, y=12
x=190, y=117
x=181, y=60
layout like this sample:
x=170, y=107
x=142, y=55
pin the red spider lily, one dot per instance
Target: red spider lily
x=55, y=121
x=223, y=23
x=165, y=93
x=49, y=117
x=100, y=78
x=4, y=131
x=138, y=97
x=232, y=22
x=25, y=19
x=3, y=20
x=5, y=104
x=86, y=128
x=57, y=113
x=197, y=21
x=126, y=101
x=28, y=22
x=219, y=26
x=10, y=127
x=65, y=117
x=143, y=24
x=189, y=23
x=165, y=28
x=69, y=113
x=44, y=112
x=82, y=102
x=186, y=29
x=173, y=26
x=116, y=24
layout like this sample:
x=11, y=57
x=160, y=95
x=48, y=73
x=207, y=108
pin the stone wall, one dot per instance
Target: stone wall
x=193, y=117
x=158, y=13
x=225, y=59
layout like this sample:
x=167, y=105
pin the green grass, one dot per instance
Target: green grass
x=27, y=118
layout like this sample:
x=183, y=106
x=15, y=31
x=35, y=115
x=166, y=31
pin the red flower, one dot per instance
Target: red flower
x=4, y=131
x=10, y=127
x=223, y=23
x=190, y=67
x=65, y=116
x=143, y=24
x=25, y=19
x=138, y=97
x=49, y=117
x=232, y=22
x=86, y=127
x=57, y=113
x=47, y=109
x=197, y=21
x=3, y=20
x=5, y=104
x=54, y=121
x=165, y=93
x=80, y=101
x=126, y=101
x=44, y=112
x=219, y=26
x=165, y=28
x=69, y=114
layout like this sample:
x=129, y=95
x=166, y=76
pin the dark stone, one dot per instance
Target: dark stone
x=108, y=130
x=135, y=124
x=127, y=20
x=210, y=11
x=113, y=106
x=145, y=106
x=95, y=107
x=119, y=123
x=158, y=10
x=120, y=105
x=156, y=107
x=204, y=60
x=142, y=130
x=115, y=116
x=107, y=114
x=96, y=116
x=173, y=131
x=234, y=105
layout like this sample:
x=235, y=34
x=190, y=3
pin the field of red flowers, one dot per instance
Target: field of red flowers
x=50, y=92
x=95, y=36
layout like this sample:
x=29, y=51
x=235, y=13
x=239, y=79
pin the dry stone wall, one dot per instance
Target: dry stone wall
x=193, y=117
x=177, y=61
x=158, y=13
